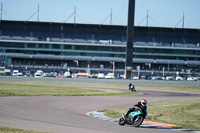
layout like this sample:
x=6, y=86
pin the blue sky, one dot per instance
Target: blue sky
x=165, y=13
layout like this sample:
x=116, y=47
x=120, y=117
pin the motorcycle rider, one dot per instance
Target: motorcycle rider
x=131, y=87
x=141, y=105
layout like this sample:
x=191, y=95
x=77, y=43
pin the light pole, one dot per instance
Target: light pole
x=114, y=68
x=130, y=37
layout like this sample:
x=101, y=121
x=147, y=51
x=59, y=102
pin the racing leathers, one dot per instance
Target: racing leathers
x=143, y=108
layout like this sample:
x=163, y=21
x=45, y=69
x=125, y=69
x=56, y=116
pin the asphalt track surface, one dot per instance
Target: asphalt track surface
x=67, y=114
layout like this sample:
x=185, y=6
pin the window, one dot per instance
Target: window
x=68, y=47
x=31, y=45
x=43, y=46
x=56, y=46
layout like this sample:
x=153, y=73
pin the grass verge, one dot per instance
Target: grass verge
x=15, y=130
x=185, y=114
x=154, y=87
x=174, y=88
x=15, y=89
x=138, y=87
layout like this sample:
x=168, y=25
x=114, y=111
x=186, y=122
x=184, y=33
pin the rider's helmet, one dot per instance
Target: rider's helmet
x=144, y=102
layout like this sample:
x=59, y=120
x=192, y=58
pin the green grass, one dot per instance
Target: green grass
x=175, y=88
x=20, y=89
x=185, y=114
x=15, y=130
x=14, y=89
x=154, y=87
x=138, y=87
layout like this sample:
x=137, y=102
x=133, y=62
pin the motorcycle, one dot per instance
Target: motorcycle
x=132, y=87
x=134, y=118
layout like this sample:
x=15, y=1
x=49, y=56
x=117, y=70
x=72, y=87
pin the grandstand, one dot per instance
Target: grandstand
x=34, y=44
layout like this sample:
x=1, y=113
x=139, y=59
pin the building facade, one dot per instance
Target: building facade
x=82, y=45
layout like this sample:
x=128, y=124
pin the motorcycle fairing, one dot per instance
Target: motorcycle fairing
x=135, y=113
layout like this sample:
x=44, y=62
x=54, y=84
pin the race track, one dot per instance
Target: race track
x=67, y=114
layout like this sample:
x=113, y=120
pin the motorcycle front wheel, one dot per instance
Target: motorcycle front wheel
x=138, y=121
x=121, y=121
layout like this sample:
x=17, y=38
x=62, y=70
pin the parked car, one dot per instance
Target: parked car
x=67, y=74
x=46, y=74
x=7, y=72
x=19, y=74
x=82, y=75
x=121, y=76
x=196, y=78
x=100, y=76
x=136, y=77
x=191, y=78
x=179, y=78
x=156, y=78
x=15, y=72
x=27, y=73
x=94, y=76
x=110, y=76
x=146, y=77
x=169, y=78
x=38, y=74
x=53, y=74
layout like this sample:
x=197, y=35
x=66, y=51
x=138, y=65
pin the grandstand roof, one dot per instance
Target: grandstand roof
x=66, y=31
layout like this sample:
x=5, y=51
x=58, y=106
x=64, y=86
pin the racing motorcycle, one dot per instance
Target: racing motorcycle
x=132, y=87
x=134, y=118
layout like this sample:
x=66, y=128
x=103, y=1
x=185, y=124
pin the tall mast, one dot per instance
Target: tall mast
x=111, y=17
x=38, y=15
x=1, y=10
x=183, y=22
x=75, y=14
x=147, y=23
